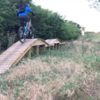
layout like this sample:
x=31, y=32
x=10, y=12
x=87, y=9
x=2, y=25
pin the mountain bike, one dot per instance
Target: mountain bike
x=23, y=33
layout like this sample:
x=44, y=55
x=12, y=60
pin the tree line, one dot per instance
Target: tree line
x=47, y=24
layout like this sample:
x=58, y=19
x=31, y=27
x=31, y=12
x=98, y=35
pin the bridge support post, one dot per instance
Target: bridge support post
x=29, y=54
x=42, y=48
x=52, y=47
x=58, y=46
x=55, y=46
x=36, y=50
x=48, y=48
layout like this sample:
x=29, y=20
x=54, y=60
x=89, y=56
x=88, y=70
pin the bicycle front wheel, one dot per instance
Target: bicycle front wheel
x=21, y=35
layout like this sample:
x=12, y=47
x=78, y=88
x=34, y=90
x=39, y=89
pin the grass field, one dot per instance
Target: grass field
x=70, y=73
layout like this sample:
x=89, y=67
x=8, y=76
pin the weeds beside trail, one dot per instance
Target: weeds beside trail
x=70, y=73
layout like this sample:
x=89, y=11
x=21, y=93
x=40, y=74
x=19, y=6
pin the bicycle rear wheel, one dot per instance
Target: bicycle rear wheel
x=21, y=35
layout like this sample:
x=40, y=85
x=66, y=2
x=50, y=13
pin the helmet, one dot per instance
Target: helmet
x=26, y=4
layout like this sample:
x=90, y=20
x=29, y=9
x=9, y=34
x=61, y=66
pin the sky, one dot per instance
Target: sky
x=77, y=11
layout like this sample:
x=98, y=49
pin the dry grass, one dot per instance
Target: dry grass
x=69, y=72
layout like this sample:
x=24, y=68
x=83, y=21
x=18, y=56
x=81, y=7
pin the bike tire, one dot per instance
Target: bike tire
x=32, y=33
x=21, y=35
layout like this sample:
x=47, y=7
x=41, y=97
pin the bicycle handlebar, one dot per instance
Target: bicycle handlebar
x=32, y=17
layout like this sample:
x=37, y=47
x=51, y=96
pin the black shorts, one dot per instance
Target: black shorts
x=24, y=18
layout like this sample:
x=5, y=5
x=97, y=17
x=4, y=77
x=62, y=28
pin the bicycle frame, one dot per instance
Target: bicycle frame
x=26, y=29
x=23, y=32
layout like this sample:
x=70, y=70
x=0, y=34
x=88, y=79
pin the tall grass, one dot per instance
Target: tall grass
x=64, y=74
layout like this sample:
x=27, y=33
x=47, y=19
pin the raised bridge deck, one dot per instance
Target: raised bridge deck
x=14, y=54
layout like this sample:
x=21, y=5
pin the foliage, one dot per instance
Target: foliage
x=70, y=31
x=95, y=4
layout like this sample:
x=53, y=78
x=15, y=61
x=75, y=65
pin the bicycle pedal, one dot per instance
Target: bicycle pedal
x=21, y=36
x=30, y=32
x=33, y=37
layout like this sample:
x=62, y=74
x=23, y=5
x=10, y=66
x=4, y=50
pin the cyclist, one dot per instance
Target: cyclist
x=22, y=15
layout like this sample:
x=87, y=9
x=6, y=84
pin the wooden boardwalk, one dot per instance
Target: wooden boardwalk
x=52, y=42
x=14, y=54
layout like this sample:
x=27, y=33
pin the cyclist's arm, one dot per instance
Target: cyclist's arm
x=18, y=13
x=30, y=10
x=33, y=13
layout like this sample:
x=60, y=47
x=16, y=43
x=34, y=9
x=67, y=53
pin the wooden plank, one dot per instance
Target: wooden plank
x=7, y=66
x=64, y=43
x=12, y=55
x=4, y=68
x=6, y=53
x=53, y=41
x=17, y=60
x=40, y=42
x=7, y=58
x=2, y=71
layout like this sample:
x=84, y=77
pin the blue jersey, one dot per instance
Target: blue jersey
x=27, y=9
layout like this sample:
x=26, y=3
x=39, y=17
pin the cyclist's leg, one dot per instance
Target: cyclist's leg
x=21, y=36
x=27, y=19
x=21, y=20
x=29, y=24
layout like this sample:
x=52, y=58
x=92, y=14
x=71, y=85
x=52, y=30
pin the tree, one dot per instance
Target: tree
x=70, y=31
x=95, y=4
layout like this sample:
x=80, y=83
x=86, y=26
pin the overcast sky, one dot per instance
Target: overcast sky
x=75, y=10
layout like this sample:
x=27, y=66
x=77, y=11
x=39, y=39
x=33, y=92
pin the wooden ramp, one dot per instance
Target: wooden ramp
x=13, y=54
x=52, y=42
